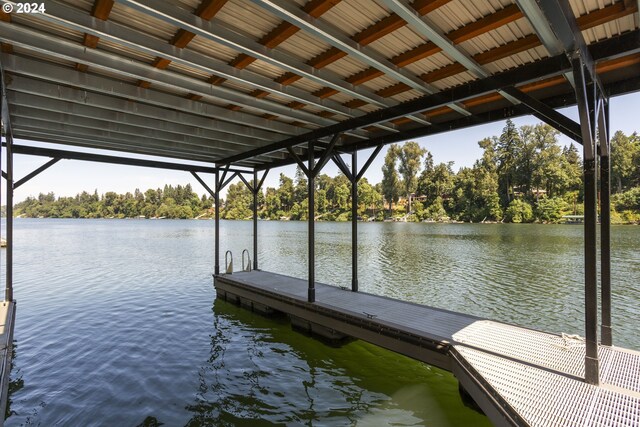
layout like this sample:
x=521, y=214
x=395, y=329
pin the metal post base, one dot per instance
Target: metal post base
x=312, y=295
x=354, y=285
x=607, y=335
x=592, y=367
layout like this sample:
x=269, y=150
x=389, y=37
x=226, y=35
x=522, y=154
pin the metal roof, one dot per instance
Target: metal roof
x=239, y=81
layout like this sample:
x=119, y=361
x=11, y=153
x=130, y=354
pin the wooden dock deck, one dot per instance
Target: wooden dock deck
x=518, y=376
x=7, y=320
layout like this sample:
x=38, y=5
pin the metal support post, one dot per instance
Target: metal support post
x=605, y=226
x=9, y=280
x=354, y=221
x=216, y=201
x=586, y=107
x=255, y=219
x=312, y=213
x=5, y=296
x=1, y=111
x=590, y=261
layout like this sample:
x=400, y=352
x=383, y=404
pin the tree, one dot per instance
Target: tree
x=390, y=184
x=519, y=211
x=285, y=192
x=625, y=161
x=300, y=190
x=409, y=159
x=507, y=148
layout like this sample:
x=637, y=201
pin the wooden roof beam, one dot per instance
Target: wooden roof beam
x=602, y=67
x=101, y=10
x=278, y=35
x=5, y=47
x=368, y=35
x=481, y=26
x=485, y=24
x=206, y=10
x=590, y=20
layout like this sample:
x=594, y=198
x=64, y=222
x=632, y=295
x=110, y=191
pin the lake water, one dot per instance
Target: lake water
x=117, y=322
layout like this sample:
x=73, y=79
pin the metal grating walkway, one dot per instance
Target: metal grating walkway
x=544, y=398
x=517, y=375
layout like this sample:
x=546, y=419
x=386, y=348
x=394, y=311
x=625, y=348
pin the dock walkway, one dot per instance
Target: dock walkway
x=518, y=376
x=7, y=320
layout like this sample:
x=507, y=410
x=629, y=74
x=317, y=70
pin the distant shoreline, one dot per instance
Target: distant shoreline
x=304, y=220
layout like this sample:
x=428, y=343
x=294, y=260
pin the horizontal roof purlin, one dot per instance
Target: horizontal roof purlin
x=158, y=71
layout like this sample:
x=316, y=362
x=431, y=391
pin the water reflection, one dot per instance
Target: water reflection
x=262, y=373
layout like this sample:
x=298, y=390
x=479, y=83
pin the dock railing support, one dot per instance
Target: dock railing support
x=588, y=102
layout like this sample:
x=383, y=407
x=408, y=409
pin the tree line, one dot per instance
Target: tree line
x=168, y=202
x=524, y=175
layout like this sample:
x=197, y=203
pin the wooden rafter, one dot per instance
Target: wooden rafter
x=392, y=23
x=101, y=10
x=490, y=22
x=206, y=10
x=5, y=47
x=276, y=36
x=602, y=68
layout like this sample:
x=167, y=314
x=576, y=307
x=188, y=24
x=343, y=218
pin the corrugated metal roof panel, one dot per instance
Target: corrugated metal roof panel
x=248, y=18
x=430, y=63
x=85, y=5
x=498, y=37
x=353, y=16
x=141, y=22
x=32, y=21
x=265, y=69
x=610, y=29
x=517, y=59
x=240, y=87
x=209, y=48
x=452, y=81
x=401, y=40
x=378, y=83
x=41, y=56
x=303, y=46
x=117, y=76
x=346, y=66
x=198, y=74
x=457, y=13
x=341, y=97
x=125, y=51
x=307, y=85
x=406, y=96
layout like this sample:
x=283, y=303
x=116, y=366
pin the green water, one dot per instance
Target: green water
x=117, y=321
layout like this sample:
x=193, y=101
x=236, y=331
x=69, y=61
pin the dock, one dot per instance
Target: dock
x=7, y=320
x=517, y=376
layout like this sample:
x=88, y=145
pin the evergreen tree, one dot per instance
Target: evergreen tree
x=390, y=183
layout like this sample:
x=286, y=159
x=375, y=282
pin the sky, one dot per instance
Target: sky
x=70, y=177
